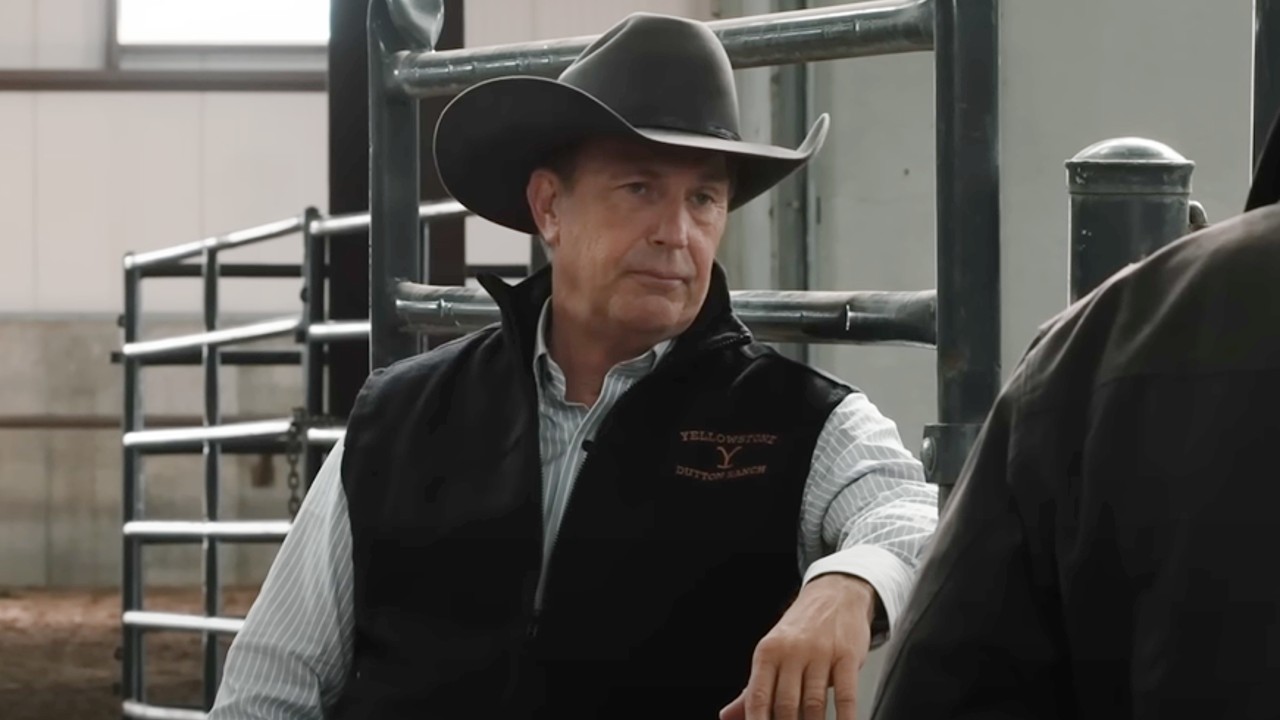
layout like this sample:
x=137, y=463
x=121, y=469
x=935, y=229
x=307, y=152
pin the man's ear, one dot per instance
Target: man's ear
x=542, y=193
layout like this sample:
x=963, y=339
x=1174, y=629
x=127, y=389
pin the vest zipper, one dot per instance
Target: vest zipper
x=544, y=573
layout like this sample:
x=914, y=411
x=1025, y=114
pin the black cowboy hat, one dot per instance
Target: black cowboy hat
x=653, y=77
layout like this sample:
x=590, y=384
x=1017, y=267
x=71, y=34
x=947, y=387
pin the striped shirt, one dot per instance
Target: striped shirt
x=866, y=511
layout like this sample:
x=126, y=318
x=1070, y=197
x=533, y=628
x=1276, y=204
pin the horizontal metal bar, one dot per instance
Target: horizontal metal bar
x=142, y=711
x=182, y=622
x=163, y=80
x=857, y=317
x=338, y=330
x=196, y=531
x=229, y=357
x=880, y=27
x=175, y=437
x=238, y=238
x=228, y=270
x=59, y=421
x=359, y=222
x=325, y=436
x=244, y=333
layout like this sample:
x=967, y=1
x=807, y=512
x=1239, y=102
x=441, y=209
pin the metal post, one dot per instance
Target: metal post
x=314, y=267
x=1129, y=198
x=791, y=229
x=1266, y=72
x=212, y=473
x=395, y=250
x=131, y=649
x=968, y=227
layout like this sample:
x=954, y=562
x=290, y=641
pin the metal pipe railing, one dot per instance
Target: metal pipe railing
x=143, y=711
x=862, y=29
x=148, y=620
x=359, y=222
x=773, y=316
x=171, y=437
x=267, y=329
x=178, y=531
x=338, y=331
x=238, y=238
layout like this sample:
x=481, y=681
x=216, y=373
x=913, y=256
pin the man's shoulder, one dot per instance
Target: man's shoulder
x=408, y=376
x=789, y=375
x=1203, y=304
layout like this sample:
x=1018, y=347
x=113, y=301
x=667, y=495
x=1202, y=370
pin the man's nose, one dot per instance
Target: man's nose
x=673, y=223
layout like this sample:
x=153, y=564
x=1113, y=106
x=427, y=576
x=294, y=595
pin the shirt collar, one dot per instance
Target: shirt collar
x=640, y=364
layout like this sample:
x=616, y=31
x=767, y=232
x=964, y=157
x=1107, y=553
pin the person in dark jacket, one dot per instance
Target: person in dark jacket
x=616, y=503
x=1107, y=551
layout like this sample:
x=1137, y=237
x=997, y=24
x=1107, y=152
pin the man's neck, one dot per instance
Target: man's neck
x=585, y=357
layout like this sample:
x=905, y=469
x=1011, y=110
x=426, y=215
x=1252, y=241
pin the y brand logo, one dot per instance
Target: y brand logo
x=726, y=456
x=727, y=447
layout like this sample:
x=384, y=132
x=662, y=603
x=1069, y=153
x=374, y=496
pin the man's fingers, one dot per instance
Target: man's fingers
x=844, y=676
x=764, y=677
x=787, y=690
x=736, y=710
x=813, y=695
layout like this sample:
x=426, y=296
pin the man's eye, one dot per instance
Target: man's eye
x=637, y=188
x=704, y=198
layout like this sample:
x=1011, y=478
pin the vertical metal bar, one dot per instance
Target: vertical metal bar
x=791, y=236
x=131, y=649
x=314, y=265
x=395, y=252
x=212, y=463
x=968, y=227
x=1266, y=70
x=113, y=35
x=1129, y=198
x=347, y=364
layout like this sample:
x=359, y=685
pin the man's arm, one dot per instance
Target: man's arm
x=867, y=500
x=291, y=658
x=868, y=511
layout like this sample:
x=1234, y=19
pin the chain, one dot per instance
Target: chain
x=293, y=451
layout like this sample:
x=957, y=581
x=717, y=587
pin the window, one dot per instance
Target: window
x=221, y=23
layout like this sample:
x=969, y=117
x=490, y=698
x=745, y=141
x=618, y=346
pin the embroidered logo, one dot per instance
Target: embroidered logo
x=727, y=446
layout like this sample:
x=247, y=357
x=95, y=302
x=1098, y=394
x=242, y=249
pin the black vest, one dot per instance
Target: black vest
x=677, y=553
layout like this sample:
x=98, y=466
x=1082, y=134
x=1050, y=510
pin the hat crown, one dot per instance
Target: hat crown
x=661, y=72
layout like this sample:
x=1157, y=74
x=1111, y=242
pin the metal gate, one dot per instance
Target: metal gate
x=960, y=318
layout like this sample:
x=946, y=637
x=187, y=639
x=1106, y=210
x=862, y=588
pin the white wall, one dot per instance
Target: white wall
x=87, y=176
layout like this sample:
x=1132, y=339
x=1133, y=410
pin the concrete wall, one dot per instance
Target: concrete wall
x=84, y=178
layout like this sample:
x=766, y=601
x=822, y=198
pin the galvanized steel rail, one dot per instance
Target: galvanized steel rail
x=961, y=318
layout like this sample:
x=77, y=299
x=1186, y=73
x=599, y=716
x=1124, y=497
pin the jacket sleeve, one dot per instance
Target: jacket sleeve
x=291, y=659
x=977, y=638
x=867, y=508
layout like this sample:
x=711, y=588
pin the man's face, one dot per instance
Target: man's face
x=634, y=233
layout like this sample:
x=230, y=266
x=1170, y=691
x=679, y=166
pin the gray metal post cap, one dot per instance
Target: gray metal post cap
x=1129, y=165
x=419, y=20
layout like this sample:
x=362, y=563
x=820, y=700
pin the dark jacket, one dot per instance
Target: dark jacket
x=1107, y=553
x=675, y=556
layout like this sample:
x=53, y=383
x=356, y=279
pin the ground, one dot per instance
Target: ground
x=57, y=652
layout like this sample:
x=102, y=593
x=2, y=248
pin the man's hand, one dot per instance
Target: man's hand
x=820, y=642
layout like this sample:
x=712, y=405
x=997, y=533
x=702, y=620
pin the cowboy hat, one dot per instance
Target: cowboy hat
x=652, y=77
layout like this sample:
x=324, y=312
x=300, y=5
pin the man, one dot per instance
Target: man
x=615, y=504
x=1107, y=551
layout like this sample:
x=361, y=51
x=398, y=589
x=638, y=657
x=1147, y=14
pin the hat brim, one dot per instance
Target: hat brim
x=492, y=136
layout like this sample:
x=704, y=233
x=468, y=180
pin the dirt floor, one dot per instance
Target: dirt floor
x=57, y=652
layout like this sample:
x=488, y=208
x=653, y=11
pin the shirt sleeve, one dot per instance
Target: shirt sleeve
x=868, y=510
x=291, y=658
